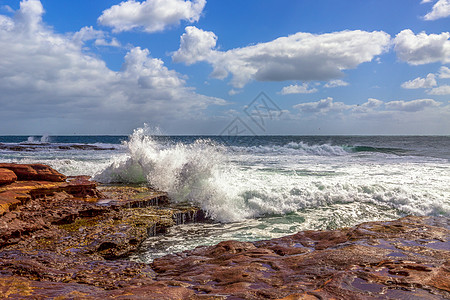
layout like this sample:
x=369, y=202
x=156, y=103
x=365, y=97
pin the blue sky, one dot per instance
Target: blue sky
x=199, y=67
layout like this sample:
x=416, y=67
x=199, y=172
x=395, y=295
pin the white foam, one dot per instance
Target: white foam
x=294, y=148
x=238, y=186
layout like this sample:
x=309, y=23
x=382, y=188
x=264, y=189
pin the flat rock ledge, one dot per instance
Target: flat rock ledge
x=67, y=238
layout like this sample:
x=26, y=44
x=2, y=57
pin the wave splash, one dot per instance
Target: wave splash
x=230, y=188
x=45, y=139
x=187, y=172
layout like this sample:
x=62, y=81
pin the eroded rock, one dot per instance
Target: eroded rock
x=34, y=172
x=7, y=176
x=70, y=239
x=403, y=259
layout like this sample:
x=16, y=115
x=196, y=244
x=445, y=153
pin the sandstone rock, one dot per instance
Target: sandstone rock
x=7, y=176
x=403, y=259
x=60, y=240
x=34, y=172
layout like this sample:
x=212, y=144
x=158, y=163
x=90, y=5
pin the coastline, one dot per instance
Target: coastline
x=68, y=238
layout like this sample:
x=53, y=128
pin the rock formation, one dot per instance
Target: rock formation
x=69, y=239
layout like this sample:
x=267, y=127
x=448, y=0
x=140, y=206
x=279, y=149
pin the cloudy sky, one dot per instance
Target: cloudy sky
x=210, y=66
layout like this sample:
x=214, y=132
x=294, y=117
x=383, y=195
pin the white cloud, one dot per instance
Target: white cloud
x=301, y=56
x=421, y=83
x=48, y=76
x=444, y=72
x=368, y=106
x=195, y=45
x=233, y=92
x=322, y=106
x=411, y=106
x=6, y=23
x=298, y=89
x=422, y=48
x=426, y=1
x=112, y=43
x=440, y=10
x=29, y=16
x=335, y=83
x=151, y=15
x=441, y=90
x=88, y=33
x=372, y=106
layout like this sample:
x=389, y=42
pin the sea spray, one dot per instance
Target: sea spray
x=197, y=173
x=45, y=139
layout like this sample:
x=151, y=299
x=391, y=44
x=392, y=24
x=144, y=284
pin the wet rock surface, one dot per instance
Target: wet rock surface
x=70, y=239
x=403, y=259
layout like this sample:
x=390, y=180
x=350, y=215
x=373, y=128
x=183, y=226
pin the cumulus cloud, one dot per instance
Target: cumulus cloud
x=444, y=72
x=420, y=83
x=195, y=45
x=112, y=43
x=368, y=106
x=48, y=75
x=335, y=83
x=6, y=23
x=322, y=106
x=151, y=15
x=440, y=10
x=297, y=89
x=411, y=106
x=441, y=90
x=301, y=56
x=422, y=48
x=88, y=33
x=373, y=106
x=100, y=37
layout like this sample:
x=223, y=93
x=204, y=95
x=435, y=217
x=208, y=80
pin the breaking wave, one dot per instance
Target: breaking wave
x=299, y=148
x=230, y=188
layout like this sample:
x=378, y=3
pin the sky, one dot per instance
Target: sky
x=210, y=67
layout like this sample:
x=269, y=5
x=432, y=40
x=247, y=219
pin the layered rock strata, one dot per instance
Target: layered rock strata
x=66, y=238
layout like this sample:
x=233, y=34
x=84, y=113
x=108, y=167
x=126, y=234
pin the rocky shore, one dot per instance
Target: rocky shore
x=67, y=238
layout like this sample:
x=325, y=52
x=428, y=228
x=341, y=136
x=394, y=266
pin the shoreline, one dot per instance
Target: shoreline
x=67, y=237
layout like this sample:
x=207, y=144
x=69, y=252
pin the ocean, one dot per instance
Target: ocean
x=258, y=187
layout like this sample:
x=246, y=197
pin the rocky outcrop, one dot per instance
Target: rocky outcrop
x=403, y=259
x=70, y=240
x=76, y=217
x=7, y=176
x=34, y=172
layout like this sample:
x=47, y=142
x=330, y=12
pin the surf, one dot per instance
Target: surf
x=274, y=180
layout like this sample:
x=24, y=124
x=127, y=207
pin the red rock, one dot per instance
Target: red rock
x=7, y=176
x=34, y=172
x=403, y=259
x=58, y=244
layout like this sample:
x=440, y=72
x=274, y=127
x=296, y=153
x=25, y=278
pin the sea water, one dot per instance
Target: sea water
x=258, y=187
